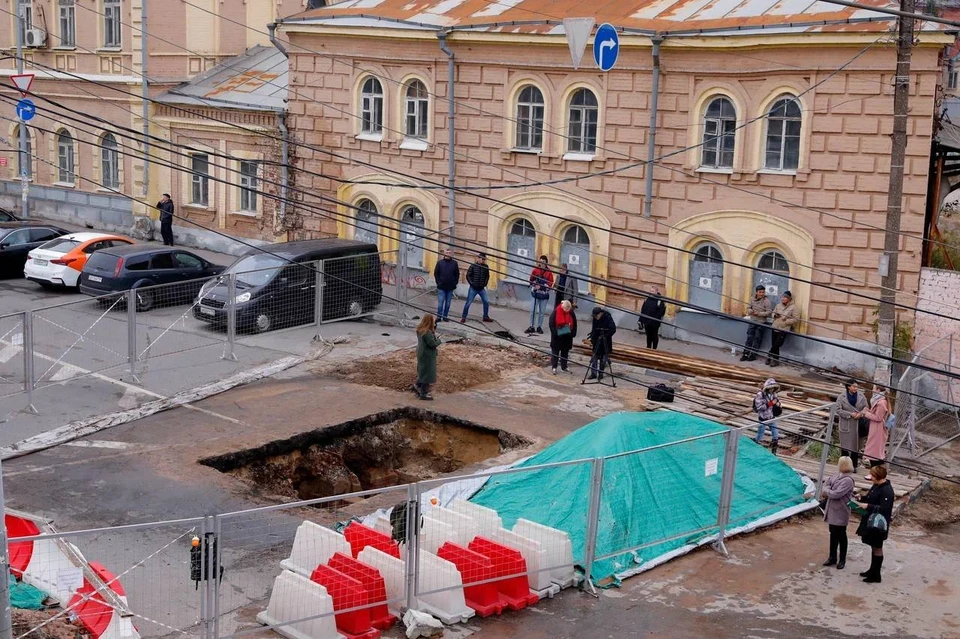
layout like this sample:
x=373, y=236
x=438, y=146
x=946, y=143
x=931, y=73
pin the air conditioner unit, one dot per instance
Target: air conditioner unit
x=35, y=38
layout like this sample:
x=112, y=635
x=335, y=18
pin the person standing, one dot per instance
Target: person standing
x=478, y=276
x=878, y=501
x=601, y=338
x=563, y=328
x=875, y=450
x=766, y=404
x=165, y=206
x=785, y=317
x=851, y=405
x=447, y=275
x=758, y=311
x=541, y=281
x=651, y=316
x=427, y=345
x=837, y=492
x=566, y=288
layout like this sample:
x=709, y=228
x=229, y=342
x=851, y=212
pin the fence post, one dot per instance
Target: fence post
x=132, y=333
x=210, y=546
x=218, y=562
x=726, y=488
x=230, y=353
x=825, y=450
x=412, y=541
x=6, y=622
x=397, y=287
x=318, y=293
x=28, y=381
x=593, y=522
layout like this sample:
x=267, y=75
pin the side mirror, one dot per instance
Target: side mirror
x=4, y=245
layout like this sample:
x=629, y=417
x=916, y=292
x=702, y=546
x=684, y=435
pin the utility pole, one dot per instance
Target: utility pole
x=887, y=316
x=25, y=161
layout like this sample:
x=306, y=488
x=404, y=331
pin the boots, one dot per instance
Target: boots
x=774, y=446
x=872, y=576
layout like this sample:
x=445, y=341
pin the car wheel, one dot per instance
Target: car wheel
x=355, y=308
x=263, y=322
x=145, y=300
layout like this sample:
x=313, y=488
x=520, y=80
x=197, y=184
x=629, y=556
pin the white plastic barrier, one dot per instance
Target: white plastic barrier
x=487, y=519
x=48, y=568
x=435, y=533
x=296, y=597
x=381, y=523
x=557, y=549
x=533, y=553
x=392, y=571
x=314, y=545
x=448, y=605
x=467, y=527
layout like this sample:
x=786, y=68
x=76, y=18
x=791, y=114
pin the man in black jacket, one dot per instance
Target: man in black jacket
x=651, y=315
x=478, y=276
x=447, y=275
x=165, y=205
x=601, y=336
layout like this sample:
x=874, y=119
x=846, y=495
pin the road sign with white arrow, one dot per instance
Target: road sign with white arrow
x=606, y=47
x=26, y=109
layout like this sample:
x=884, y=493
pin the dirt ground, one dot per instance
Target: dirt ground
x=459, y=366
x=938, y=506
x=60, y=628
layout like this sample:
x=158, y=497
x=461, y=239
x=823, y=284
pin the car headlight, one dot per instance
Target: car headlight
x=241, y=298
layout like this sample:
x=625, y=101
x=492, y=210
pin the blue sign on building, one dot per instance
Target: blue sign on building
x=606, y=47
x=26, y=109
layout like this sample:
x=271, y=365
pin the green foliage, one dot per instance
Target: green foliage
x=950, y=244
x=902, y=336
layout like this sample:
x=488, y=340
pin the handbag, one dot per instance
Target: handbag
x=660, y=393
x=777, y=410
x=877, y=524
x=863, y=427
x=564, y=330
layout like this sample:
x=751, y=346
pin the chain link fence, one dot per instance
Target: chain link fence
x=11, y=355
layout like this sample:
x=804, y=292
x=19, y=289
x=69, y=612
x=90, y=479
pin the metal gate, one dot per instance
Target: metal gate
x=521, y=245
x=575, y=253
x=412, y=231
x=706, y=278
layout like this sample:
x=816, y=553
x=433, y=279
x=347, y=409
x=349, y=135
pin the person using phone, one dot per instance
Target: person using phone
x=766, y=404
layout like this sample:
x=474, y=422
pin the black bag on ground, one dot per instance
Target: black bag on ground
x=660, y=393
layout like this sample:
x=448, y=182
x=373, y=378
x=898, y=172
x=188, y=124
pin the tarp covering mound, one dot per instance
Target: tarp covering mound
x=654, y=504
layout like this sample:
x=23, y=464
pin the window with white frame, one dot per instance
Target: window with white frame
x=66, y=169
x=783, y=135
x=109, y=162
x=719, y=134
x=25, y=158
x=200, y=179
x=111, y=23
x=530, y=109
x=26, y=8
x=68, y=23
x=417, y=105
x=248, y=185
x=582, y=118
x=371, y=107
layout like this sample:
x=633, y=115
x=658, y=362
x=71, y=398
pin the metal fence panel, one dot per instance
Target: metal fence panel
x=353, y=285
x=11, y=355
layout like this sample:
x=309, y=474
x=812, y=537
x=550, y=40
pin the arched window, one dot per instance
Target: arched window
x=521, y=245
x=706, y=278
x=530, y=118
x=582, y=122
x=66, y=172
x=411, y=236
x=416, y=110
x=24, y=159
x=109, y=162
x=367, y=229
x=371, y=106
x=772, y=272
x=719, y=134
x=575, y=253
x=783, y=135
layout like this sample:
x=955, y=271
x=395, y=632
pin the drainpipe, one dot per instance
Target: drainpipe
x=652, y=142
x=145, y=90
x=451, y=136
x=285, y=170
x=272, y=28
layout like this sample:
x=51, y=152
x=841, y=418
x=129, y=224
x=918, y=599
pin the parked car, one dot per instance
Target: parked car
x=17, y=239
x=159, y=274
x=7, y=216
x=278, y=288
x=60, y=261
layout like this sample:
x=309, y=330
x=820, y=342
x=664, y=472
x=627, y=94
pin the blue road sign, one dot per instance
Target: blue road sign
x=26, y=109
x=606, y=47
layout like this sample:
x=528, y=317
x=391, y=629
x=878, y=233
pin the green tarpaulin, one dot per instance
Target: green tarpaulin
x=655, y=503
x=25, y=596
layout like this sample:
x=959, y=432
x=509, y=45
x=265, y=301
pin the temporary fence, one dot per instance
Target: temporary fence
x=12, y=362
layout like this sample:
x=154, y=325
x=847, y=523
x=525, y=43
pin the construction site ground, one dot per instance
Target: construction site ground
x=771, y=584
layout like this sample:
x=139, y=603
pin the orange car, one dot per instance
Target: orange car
x=59, y=261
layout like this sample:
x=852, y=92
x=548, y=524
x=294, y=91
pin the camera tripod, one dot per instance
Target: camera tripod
x=600, y=362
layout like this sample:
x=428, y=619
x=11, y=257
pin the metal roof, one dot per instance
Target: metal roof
x=544, y=16
x=255, y=80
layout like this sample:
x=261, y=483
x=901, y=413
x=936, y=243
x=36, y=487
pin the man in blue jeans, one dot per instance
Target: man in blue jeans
x=766, y=405
x=478, y=276
x=447, y=275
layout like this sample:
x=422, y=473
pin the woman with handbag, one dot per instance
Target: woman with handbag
x=875, y=521
x=875, y=450
x=563, y=328
x=850, y=406
x=836, y=493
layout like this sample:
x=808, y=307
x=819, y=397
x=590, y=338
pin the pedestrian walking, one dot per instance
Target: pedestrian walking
x=478, y=276
x=651, y=316
x=875, y=450
x=447, y=275
x=165, y=205
x=875, y=522
x=563, y=328
x=766, y=404
x=786, y=316
x=541, y=281
x=851, y=405
x=758, y=311
x=427, y=345
x=566, y=287
x=836, y=495
x=601, y=337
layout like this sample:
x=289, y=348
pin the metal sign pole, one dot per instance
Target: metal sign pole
x=6, y=621
x=25, y=160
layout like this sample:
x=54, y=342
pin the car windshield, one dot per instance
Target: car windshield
x=255, y=270
x=60, y=245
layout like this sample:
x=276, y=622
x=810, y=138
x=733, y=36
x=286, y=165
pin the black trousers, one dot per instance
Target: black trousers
x=838, y=541
x=754, y=339
x=652, y=331
x=853, y=455
x=166, y=232
x=777, y=340
x=559, y=356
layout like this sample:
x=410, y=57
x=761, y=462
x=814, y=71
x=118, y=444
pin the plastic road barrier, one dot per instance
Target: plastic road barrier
x=312, y=546
x=296, y=597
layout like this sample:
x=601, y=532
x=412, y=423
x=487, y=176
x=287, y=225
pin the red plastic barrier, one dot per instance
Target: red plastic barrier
x=20, y=551
x=347, y=593
x=373, y=585
x=94, y=613
x=507, y=562
x=359, y=537
x=474, y=568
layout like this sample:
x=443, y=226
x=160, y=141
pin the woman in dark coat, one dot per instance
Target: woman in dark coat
x=851, y=405
x=651, y=315
x=837, y=492
x=427, y=343
x=878, y=500
x=562, y=320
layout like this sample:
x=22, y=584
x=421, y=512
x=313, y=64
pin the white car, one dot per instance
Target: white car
x=59, y=261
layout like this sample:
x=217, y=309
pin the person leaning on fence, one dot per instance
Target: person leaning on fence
x=651, y=316
x=758, y=311
x=786, y=316
x=766, y=404
x=427, y=344
x=836, y=495
x=563, y=328
x=541, y=281
x=447, y=275
x=851, y=405
x=875, y=450
x=478, y=276
x=875, y=522
x=601, y=338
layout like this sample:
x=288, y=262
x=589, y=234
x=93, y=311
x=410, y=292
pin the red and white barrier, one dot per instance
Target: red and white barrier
x=312, y=546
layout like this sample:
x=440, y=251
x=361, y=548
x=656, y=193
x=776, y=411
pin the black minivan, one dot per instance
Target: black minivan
x=276, y=285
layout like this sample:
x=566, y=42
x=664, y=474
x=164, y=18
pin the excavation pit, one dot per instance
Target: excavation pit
x=385, y=449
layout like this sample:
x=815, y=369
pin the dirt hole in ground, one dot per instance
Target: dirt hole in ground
x=938, y=507
x=459, y=367
x=391, y=448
